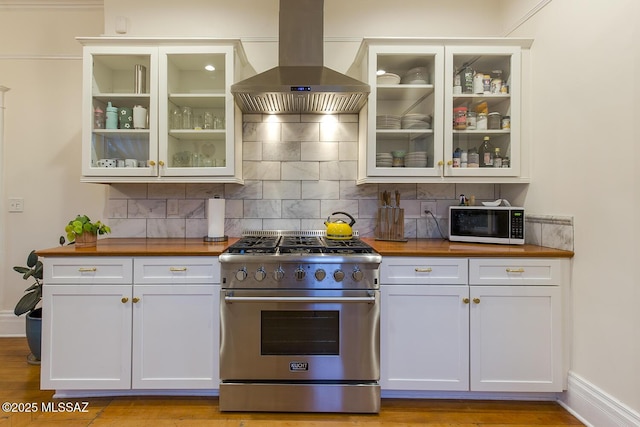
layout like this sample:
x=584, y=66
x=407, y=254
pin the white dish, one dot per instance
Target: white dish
x=388, y=79
x=493, y=204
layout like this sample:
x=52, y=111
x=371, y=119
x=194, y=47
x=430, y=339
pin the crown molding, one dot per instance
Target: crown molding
x=51, y=4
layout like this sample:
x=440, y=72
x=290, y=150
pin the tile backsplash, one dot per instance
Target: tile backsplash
x=297, y=171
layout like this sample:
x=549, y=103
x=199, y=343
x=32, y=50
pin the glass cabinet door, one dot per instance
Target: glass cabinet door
x=119, y=112
x=482, y=102
x=196, y=111
x=405, y=111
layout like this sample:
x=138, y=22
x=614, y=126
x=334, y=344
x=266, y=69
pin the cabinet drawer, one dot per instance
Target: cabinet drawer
x=172, y=270
x=88, y=270
x=515, y=271
x=420, y=271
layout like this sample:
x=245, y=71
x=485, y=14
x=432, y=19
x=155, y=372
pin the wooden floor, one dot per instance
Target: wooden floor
x=19, y=384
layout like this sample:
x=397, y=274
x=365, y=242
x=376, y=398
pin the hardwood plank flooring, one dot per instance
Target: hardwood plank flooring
x=19, y=383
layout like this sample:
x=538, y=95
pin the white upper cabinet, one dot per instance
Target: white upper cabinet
x=409, y=131
x=175, y=119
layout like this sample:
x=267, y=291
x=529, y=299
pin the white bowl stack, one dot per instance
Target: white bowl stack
x=415, y=159
x=384, y=160
x=416, y=121
x=416, y=76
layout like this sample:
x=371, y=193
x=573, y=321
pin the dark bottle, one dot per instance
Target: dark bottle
x=486, y=153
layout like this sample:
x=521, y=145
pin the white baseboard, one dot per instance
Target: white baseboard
x=594, y=407
x=11, y=325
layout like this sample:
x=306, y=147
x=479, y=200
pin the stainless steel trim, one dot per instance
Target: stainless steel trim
x=301, y=233
x=292, y=397
x=368, y=300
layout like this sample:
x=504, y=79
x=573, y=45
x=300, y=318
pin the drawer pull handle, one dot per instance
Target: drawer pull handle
x=515, y=270
x=87, y=269
x=135, y=300
x=424, y=270
x=465, y=300
x=476, y=300
x=124, y=300
x=177, y=268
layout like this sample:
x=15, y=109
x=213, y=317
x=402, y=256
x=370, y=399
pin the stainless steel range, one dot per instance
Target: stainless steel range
x=299, y=324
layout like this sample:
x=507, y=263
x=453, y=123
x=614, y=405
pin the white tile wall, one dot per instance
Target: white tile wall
x=298, y=170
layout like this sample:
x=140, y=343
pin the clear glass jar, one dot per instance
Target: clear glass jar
x=460, y=118
x=176, y=118
x=187, y=120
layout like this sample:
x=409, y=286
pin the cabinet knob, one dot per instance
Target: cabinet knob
x=440, y=163
x=161, y=162
x=476, y=300
x=124, y=300
x=152, y=163
x=450, y=163
x=135, y=300
x=465, y=300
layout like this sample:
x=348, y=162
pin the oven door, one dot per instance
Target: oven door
x=299, y=335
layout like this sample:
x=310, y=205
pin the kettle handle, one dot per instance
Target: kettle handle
x=353, y=221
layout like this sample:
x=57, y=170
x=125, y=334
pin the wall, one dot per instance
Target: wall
x=41, y=63
x=580, y=168
x=298, y=170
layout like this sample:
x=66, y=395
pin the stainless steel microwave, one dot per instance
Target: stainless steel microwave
x=487, y=224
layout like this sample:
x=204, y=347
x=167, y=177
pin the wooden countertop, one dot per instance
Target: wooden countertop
x=445, y=248
x=143, y=247
x=197, y=247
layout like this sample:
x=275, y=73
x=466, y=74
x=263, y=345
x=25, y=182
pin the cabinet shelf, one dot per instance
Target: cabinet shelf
x=401, y=92
x=199, y=135
x=203, y=101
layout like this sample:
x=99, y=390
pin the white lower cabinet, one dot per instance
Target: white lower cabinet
x=457, y=333
x=143, y=330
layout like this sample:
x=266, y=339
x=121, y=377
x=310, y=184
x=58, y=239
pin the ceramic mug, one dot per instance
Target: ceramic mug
x=130, y=163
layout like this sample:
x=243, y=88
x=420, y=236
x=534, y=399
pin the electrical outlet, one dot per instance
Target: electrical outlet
x=16, y=204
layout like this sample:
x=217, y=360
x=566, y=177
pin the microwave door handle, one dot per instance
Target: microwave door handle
x=368, y=300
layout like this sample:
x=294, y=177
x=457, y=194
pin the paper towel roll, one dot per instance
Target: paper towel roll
x=215, y=218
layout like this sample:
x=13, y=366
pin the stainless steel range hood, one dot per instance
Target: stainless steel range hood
x=301, y=83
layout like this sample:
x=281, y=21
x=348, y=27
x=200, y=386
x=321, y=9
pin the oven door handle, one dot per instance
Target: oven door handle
x=369, y=300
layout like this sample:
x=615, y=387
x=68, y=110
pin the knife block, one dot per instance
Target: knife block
x=390, y=224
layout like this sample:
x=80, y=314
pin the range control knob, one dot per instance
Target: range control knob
x=338, y=275
x=299, y=274
x=241, y=274
x=357, y=274
x=260, y=274
x=320, y=274
x=278, y=274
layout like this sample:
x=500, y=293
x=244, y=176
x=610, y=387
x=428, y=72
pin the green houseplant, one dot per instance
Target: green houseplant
x=28, y=305
x=84, y=232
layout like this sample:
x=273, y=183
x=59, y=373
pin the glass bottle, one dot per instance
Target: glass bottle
x=457, y=154
x=497, y=158
x=486, y=153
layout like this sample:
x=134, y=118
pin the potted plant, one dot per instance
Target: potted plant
x=84, y=232
x=28, y=304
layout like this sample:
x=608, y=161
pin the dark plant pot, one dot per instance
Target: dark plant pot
x=34, y=334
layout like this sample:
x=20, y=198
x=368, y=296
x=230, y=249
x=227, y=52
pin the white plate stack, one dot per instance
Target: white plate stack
x=416, y=121
x=415, y=159
x=384, y=160
x=388, y=121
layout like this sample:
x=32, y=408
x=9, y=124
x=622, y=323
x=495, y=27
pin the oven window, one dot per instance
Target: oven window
x=304, y=332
